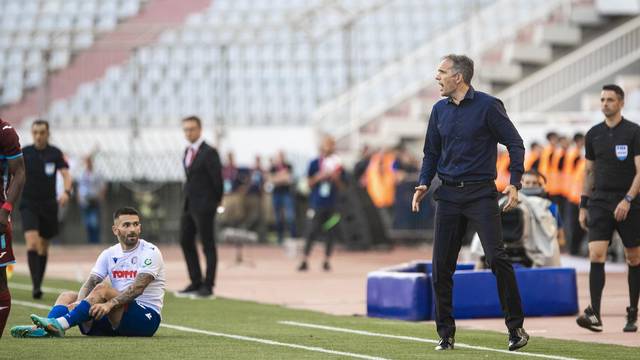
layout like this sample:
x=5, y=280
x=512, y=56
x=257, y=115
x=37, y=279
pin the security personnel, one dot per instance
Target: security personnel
x=461, y=146
x=39, y=205
x=547, y=153
x=609, y=202
x=573, y=177
x=532, y=158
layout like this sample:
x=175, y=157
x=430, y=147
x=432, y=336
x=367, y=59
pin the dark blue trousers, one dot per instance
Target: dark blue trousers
x=457, y=207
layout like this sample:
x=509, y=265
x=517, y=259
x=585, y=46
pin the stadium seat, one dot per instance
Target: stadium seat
x=257, y=84
x=64, y=27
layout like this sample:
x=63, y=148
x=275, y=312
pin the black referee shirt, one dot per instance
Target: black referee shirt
x=41, y=167
x=612, y=150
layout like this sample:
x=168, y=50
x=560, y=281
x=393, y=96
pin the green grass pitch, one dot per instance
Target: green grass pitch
x=221, y=319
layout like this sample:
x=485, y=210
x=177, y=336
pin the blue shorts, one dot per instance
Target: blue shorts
x=137, y=320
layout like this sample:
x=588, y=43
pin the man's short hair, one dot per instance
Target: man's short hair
x=127, y=210
x=578, y=137
x=616, y=89
x=536, y=174
x=193, y=118
x=551, y=134
x=41, y=122
x=461, y=64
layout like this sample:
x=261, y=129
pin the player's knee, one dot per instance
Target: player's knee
x=32, y=244
x=98, y=291
x=598, y=253
x=633, y=259
x=69, y=294
x=597, y=256
x=66, y=298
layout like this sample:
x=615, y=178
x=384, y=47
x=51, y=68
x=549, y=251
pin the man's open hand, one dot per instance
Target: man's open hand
x=418, y=195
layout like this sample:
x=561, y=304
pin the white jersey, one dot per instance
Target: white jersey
x=122, y=267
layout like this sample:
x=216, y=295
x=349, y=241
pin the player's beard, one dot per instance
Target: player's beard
x=130, y=239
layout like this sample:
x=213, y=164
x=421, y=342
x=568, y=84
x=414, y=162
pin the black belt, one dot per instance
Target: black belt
x=461, y=184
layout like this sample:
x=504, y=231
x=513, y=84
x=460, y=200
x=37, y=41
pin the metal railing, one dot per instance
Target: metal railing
x=577, y=71
x=404, y=78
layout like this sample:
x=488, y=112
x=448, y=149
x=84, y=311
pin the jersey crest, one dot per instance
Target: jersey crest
x=622, y=151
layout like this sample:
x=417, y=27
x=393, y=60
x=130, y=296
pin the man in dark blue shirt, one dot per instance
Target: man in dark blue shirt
x=461, y=147
x=325, y=177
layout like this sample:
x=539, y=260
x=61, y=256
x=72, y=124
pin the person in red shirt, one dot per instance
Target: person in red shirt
x=13, y=178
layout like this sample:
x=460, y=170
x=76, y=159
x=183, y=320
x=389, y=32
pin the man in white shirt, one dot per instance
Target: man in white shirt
x=131, y=306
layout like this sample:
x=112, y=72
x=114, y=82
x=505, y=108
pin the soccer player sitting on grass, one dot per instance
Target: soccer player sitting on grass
x=129, y=307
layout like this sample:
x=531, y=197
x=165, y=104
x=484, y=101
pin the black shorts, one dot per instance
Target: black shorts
x=602, y=223
x=42, y=217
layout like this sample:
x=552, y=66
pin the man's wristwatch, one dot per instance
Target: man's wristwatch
x=628, y=198
x=518, y=186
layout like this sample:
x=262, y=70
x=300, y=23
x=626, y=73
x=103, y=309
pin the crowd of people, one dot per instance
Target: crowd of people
x=560, y=162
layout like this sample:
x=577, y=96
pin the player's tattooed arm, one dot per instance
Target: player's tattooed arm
x=136, y=289
x=88, y=286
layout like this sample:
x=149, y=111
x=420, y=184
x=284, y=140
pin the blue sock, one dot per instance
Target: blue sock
x=58, y=311
x=79, y=314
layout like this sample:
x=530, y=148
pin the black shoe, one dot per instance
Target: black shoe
x=632, y=318
x=590, y=320
x=303, y=266
x=205, y=291
x=192, y=289
x=445, y=344
x=517, y=338
x=326, y=266
x=37, y=294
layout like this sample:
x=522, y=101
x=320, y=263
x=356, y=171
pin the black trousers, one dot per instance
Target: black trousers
x=316, y=229
x=474, y=205
x=202, y=224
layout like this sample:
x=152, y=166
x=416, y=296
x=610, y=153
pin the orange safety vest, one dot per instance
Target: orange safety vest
x=502, y=170
x=577, y=182
x=530, y=159
x=554, y=178
x=381, y=179
x=545, y=160
x=566, y=175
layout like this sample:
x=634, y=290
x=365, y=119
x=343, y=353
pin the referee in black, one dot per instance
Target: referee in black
x=39, y=204
x=609, y=202
x=461, y=147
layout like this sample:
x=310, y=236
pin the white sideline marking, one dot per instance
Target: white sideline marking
x=271, y=342
x=231, y=336
x=30, y=304
x=411, y=338
x=13, y=285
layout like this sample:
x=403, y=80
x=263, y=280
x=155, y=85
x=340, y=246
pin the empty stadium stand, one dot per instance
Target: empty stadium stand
x=361, y=70
x=550, y=51
x=39, y=37
x=110, y=48
x=228, y=62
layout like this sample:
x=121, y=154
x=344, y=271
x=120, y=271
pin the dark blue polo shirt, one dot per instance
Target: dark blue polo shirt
x=324, y=195
x=462, y=140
